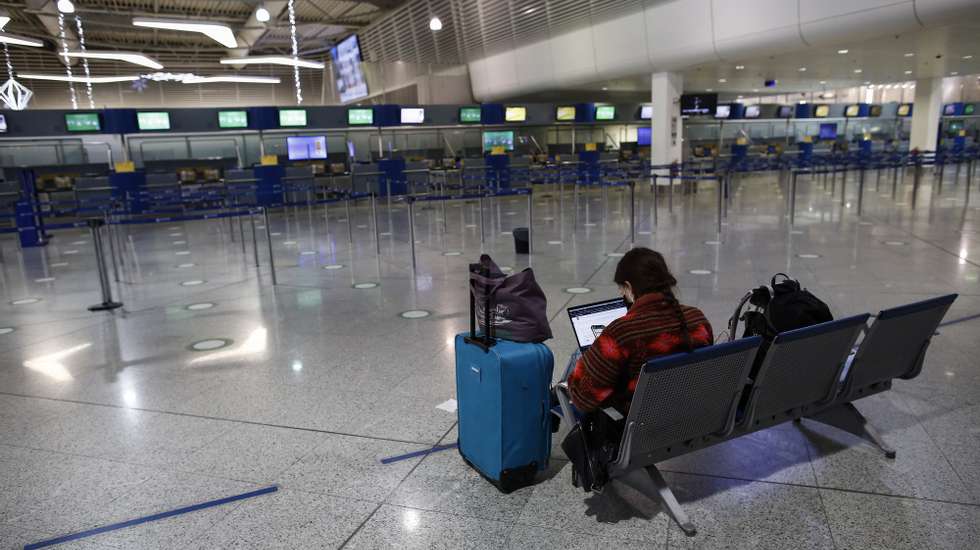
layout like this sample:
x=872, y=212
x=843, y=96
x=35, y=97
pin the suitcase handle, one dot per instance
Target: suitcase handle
x=489, y=331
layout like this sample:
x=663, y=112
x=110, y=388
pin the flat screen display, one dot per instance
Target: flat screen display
x=723, y=111
x=503, y=139
x=605, y=112
x=232, y=119
x=347, y=73
x=828, y=130
x=905, y=109
x=565, y=113
x=413, y=115
x=646, y=112
x=515, y=114
x=292, y=117
x=954, y=128
x=752, y=111
x=306, y=147
x=874, y=110
x=949, y=110
x=82, y=122
x=821, y=111
x=153, y=121
x=852, y=110
x=698, y=104
x=3, y=124
x=785, y=111
x=643, y=135
x=470, y=115
x=360, y=117
x=969, y=109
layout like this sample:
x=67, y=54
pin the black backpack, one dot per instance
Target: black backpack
x=783, y=306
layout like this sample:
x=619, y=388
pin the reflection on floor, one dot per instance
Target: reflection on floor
x=212, y=382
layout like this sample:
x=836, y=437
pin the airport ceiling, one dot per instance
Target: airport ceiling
x=108, y=25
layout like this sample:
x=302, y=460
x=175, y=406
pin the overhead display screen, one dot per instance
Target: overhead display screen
x=82, y=122
x=515, y=114
x=852, y=110
x=905, y=109
x=752, y=111
x=292, y=117
x=232, y=119
x=698, y=104
x=413, y=115
x=503, y=139
x=153, y=121
x=723, y=111
x=565, y=113
x=785, y=111
x=821, y=111
x=470, y=115
x=3, y=124
x=646, y=112
x=346, y=56
x=360, y=117
x=306, y=147
x=605, y=112
x=950, y=109
x=874, y=110
x=643, y=135
x=969, y=109
x=828, y=130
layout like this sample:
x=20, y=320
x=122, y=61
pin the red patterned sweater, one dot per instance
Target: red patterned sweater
x=607, y=372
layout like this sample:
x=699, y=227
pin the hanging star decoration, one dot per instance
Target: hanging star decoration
x=139, y=85
x=13, y=94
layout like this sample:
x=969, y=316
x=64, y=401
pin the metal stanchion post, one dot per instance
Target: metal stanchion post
x=939, y=177
x=721, y=199
x=268, y=238
x=411, y=231
x=670, y=193
x=861, y=190
x=350, y=222
x=895, y=182
x=530, y=223
x=632, y=213
x=483, y=233
x=255, y=239
x=727, y=184
x=95, y=224
x=112, y=248
x=374, y=216
x=792, y=198
x=843, y=187
x=916, y=180
x=653, y=178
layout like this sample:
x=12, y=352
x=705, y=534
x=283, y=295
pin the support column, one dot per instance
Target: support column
x=926, y=114
x=667, y=128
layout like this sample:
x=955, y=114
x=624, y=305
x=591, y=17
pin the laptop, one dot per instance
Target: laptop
x=588, y=321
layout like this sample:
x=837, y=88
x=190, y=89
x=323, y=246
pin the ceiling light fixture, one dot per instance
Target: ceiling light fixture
x=954, y=73
x=964, y=57
x=272, y=60
x=435, y=24
x=128, y=57
x=81, y=79
x=823, y=81
x=842, y=52
x=858, y=71
x=908, y=72
x=4, y=19
x=15, y=40
x=802, y=69
x=262, y=15
x=232, y=78
x=710, y=90
x=755, y=90
x=909, y=54
x=739, y=67
x=65, y=6
x=529, y=11
x=722, y=80
x=222, y=34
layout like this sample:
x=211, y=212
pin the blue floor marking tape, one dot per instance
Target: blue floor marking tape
x=406, y=456
x=960, y=320
x=147, y=519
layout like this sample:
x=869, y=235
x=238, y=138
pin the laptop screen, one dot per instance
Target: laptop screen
x=589, y=320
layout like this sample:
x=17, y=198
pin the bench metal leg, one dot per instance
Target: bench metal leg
x=649, y=482
x=846, y=417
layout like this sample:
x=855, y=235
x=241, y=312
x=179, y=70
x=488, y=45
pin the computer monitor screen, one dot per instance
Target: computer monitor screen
x=3, y=124
x=232, y=119
x=605, y=112
x=852, y=110
x=723, y=111
x=785, y=111
x=153, y=121
x=698, y=104
x=413, y=115
x=82, y=122
x=503, y=139
x=565, y=113
x=515, y=114
x=905, y=109
x=292, y=117
x=646, y=112
x=360, y=117
x=306, y=147
x=470, y=115
x=821, y=111
x=643, y=136
x=752, y=111
x=346, y=56
x=954, y=127
x=590, y=320
x=949, y=110
x=828, y=130
x=969, y=108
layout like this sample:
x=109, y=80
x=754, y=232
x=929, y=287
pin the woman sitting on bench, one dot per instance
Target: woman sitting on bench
x=656, y=324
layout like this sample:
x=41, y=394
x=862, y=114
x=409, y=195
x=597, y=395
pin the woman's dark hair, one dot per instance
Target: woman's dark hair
x=646, y=271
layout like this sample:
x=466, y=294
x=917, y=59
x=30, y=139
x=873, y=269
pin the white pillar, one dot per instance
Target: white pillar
x=927, y=110
x=667, y=129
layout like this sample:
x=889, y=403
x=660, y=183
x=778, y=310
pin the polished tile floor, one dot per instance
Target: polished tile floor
x=212, y=382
